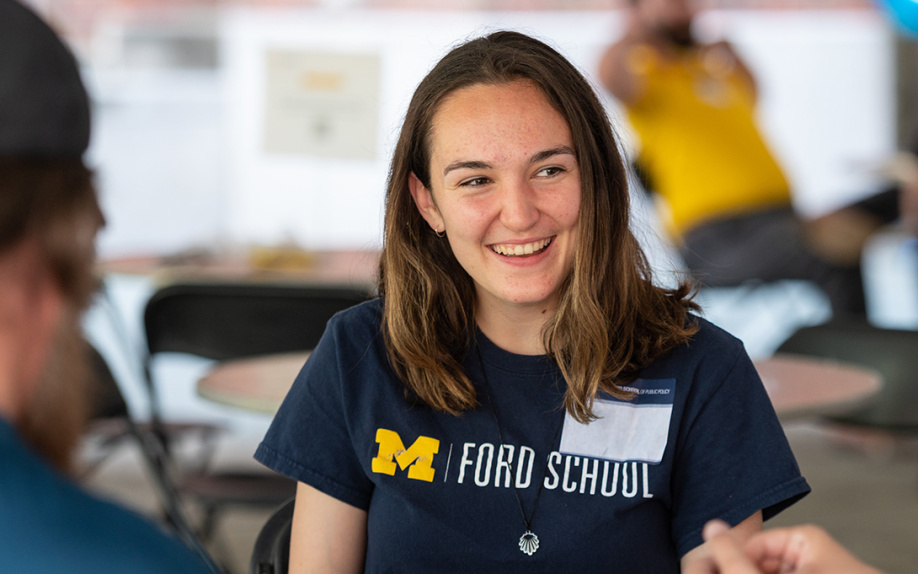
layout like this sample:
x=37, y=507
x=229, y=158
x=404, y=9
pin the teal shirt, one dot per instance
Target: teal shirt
x=50, y=525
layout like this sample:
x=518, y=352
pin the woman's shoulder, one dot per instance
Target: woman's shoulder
x=353, y=330
x=710, y=335
x=709, y=348
x=365, y=316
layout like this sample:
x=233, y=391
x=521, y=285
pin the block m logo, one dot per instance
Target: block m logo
x=418, y=457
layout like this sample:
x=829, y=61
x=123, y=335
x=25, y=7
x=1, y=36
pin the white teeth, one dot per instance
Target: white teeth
x=518, y=250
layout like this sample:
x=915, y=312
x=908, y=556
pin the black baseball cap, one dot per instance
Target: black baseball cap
x=44, y=108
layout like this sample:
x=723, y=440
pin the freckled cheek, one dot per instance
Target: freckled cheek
x=574, y=202
x=470, y=223
x=573, y=209
x=566, y=211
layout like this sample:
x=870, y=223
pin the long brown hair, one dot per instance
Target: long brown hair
x=611, y=321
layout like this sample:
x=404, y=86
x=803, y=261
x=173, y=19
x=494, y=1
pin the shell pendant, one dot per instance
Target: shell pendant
x=529, y=543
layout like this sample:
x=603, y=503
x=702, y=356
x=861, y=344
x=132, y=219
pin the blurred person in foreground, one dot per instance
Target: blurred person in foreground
x=726, y=201
x=803, y=549
x=49, y=217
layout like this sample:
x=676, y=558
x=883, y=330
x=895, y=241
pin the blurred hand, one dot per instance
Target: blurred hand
x=724, y=553
x=798, y=550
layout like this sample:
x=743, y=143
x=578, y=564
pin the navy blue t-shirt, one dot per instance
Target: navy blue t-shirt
x=629, y=492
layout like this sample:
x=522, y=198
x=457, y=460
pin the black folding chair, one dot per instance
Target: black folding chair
x=271, y=553
x=224, y=321
x=112, y=423
x=891, y=352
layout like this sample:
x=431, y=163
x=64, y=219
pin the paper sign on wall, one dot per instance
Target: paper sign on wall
x=322, y=104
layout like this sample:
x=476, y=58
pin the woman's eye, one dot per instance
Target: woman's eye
x=474, y=182
x=550, y=171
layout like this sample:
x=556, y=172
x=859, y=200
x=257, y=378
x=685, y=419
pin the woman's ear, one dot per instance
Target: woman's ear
x=424, y=201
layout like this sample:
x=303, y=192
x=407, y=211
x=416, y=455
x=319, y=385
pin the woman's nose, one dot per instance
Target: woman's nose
x=518, y=207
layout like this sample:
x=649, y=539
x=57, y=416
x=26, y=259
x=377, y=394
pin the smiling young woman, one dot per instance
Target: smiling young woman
x=430, y=298
x=505, y=189
x=521, y=395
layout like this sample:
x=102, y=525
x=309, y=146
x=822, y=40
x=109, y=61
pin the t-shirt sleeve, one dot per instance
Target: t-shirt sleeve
x=733, y=458
x=309, y=439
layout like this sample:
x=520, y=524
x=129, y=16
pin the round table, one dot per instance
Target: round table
x=798, y=386
x=257, y=384
x=275, y=265
x=804, y=386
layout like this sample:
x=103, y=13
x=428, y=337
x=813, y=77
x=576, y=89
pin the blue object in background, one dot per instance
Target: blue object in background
x=904, y=13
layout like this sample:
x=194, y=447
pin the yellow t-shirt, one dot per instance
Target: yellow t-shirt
x=699, y=143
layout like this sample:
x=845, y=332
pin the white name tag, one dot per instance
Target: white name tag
x=634, y=430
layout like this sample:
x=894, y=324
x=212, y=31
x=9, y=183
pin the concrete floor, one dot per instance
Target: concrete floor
x=865, y=492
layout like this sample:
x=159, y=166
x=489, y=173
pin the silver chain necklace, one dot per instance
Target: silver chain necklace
x=529, y=542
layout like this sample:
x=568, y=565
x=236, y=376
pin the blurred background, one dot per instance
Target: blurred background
x=225, y=125
x=184, y=92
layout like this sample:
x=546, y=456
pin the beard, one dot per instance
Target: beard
x=677, y=33
x=58, y=411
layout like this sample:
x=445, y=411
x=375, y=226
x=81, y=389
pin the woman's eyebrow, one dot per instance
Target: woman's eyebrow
x=466, y=165
x=543, y=155
x=540, y=156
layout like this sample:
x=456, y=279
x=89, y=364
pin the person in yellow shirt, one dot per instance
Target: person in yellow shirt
x=726, y=201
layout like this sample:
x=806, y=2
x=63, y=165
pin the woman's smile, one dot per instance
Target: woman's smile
x=521, y=249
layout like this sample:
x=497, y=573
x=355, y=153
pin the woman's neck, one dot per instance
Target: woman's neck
x=515, y=329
